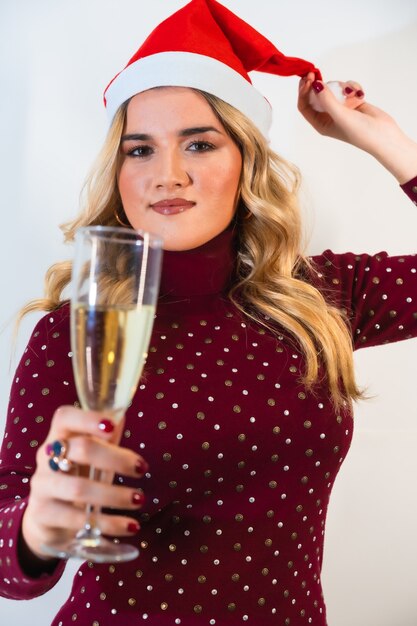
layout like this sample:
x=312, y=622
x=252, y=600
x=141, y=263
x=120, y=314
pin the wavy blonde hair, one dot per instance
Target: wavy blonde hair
x=271, y=286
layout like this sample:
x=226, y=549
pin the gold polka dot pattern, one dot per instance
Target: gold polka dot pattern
x=242, y=458
x=410, y=188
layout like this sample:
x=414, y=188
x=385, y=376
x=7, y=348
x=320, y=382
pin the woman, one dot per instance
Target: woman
x=244, y=416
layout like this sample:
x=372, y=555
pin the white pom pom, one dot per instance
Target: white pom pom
x=337, y=90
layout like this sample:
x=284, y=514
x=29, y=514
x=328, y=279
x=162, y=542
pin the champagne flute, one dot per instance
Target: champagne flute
x=115, y=283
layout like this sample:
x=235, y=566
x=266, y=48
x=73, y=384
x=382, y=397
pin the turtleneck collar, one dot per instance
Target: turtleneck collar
x=201, y=271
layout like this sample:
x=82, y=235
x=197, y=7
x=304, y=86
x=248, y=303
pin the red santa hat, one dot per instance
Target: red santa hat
x=205, y=46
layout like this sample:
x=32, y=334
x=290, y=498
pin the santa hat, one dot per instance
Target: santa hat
x=205, y=46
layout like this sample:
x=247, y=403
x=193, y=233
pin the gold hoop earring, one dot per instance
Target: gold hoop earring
x=119, y=221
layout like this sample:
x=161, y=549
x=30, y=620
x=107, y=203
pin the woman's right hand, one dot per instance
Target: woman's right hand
x=57, y=501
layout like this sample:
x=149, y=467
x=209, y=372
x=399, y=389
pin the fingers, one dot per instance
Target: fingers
x=103, y=455
x=354, y=94
x=328, y=97
x=324, y=98
x=117, y=525
x=57, y=504
x=352, y=89
x=49, y=519
x=308, y=103
x=80, y=491
x=90, y=439
x=67, y=521
x=57, y=509
x=304, y=88
x=69, y=420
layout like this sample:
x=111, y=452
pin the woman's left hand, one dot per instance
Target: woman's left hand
x=359, y=123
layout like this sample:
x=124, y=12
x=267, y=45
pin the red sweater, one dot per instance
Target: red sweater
x=242, y=458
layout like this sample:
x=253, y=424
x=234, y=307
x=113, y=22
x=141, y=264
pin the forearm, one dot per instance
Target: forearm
x=398, y=155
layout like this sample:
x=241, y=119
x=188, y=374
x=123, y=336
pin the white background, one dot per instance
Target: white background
x=55, y=59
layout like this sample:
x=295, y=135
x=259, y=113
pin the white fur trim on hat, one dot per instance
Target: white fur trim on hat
x=187, y=69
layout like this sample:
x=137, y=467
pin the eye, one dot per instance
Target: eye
x=140, y=151
x=200, y=146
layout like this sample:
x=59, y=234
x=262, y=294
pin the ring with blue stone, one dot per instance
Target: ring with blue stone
x=57, y=451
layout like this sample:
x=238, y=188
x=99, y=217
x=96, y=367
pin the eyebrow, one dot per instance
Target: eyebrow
x=185, y=132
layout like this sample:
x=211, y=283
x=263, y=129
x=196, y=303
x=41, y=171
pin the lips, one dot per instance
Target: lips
x=172, y=206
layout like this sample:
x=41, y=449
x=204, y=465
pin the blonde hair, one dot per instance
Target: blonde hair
x=272, y=272
x=101, y=200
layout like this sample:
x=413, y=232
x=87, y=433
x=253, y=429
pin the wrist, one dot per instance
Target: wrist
x=31, y=562
x=399, y=157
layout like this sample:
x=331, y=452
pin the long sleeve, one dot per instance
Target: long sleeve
x=378, y=292
x=410, y=188
x=242, y=457
x=42, y=382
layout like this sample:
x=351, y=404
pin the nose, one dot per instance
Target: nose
x=172, y=172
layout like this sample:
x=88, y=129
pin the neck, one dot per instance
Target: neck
x=201, y=271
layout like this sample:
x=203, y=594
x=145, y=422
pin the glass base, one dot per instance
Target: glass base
x=95, y=549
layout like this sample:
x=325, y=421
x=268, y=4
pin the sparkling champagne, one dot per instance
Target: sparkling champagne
x=115, y=282
x=110, y=346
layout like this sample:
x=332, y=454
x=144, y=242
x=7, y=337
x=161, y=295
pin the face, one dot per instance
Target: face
x=180, y=170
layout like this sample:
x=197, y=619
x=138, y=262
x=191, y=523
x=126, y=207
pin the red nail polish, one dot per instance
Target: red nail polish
x=106, y=426
x=317, y=86
x=348, y=90
x=133, y=527
x=360, y=94
x=138, y=497
x=141, y=467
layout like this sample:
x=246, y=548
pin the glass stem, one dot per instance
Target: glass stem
x=91, y=531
